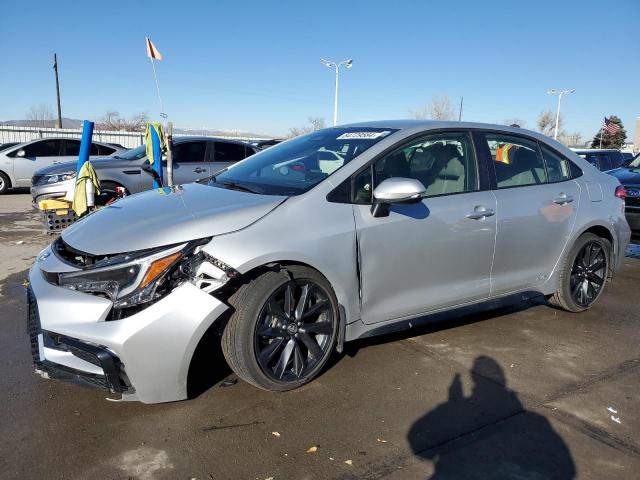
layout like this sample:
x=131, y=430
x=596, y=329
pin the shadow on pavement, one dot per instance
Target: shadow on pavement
x=489, y=434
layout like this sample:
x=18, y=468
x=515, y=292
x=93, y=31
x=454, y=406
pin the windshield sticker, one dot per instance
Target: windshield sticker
x=363, y=135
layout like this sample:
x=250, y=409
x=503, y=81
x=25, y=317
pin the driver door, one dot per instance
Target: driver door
x=430, y=255
x=37, y=155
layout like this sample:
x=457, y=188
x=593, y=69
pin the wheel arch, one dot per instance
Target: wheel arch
x=9, y=177
x=223, y=294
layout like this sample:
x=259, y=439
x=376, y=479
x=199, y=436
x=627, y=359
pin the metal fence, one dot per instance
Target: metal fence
x=11, y=133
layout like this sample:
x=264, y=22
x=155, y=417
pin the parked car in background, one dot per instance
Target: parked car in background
x=333, y=236
x=629, y=176
x=4, y=146
x=602, y=159
x=628, y=156
x=262, y=144
x=19, y=163
x=193, y=158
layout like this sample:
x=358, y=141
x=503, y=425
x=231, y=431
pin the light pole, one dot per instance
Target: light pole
x=331, y=64
x=560, y=93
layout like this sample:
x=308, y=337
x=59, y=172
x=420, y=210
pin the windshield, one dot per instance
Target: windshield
x=133, y=154
x=635, y=163
x=296, y=166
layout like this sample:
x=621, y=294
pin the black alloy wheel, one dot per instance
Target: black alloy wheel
x=588, y=274
x=294, y=331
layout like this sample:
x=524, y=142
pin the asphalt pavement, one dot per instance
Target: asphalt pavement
x=522, y=391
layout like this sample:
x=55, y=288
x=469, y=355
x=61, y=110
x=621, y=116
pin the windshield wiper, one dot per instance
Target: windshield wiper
x=240, y=187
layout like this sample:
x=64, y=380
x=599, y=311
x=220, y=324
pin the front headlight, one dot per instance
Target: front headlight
x=55, y=178
x=128, y=283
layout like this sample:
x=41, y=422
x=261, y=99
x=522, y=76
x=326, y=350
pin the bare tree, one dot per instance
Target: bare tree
x=546, y=123
x=112, y=120
x=514, y=121
x=572, y=139
x=439, y=108
x=40, y=116
x=314, y=123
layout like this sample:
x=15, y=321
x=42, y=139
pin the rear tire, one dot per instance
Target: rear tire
x=583, y=274
x=283, y=329
x=5, y=183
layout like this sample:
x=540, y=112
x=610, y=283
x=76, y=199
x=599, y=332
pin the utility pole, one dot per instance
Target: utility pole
x=55, y=69
x=460, y=114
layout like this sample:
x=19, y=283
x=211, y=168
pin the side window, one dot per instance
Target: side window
x=72, y=147
x=558, y=167
x=189, y=152
x=444, y=163
x=101, y=150
x=229, y=152
x=605, y=161
x=517, y=161
x=44, y=148
x=249, y=151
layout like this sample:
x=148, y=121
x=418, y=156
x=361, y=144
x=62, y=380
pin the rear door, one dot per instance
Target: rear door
x=37, y=155
x=228, y=153
x=189, y=161
x=537, y=203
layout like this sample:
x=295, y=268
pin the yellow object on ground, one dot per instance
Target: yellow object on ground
x=52, y=204
x=147, y=140
x=87, y=174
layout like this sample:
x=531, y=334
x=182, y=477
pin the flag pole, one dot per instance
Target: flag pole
x=601, y=132
x=155, y=76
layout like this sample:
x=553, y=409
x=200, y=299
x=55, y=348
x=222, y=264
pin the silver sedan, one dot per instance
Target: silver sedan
x=341, y=234
x=193, y=158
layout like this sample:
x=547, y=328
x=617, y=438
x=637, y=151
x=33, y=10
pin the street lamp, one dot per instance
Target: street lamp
x=331, y=64
x=560, y=93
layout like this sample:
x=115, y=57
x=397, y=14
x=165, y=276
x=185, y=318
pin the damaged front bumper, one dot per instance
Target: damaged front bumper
x=144, y=357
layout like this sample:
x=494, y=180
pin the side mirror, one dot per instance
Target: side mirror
x=396, y=190
x=20, y=153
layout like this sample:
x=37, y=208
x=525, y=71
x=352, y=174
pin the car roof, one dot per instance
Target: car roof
x=594, y=150
x=186, y=138
x=447, y=124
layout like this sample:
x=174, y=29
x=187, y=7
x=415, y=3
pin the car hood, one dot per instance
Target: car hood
x=166, y=216
x=626, y=175
x=98, y=163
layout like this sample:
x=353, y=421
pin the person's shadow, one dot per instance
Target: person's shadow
x=489, y=434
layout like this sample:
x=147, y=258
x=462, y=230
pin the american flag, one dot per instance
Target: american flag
x=609, y=127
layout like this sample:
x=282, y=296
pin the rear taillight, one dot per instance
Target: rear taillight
x=621, y=192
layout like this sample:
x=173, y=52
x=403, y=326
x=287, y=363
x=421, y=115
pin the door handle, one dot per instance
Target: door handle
x=563, y=199
x=199, y=170
x=480, y=213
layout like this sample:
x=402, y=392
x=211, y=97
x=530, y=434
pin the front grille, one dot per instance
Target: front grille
x=114, y=378
x=33, y=325
x=36, y=180
x=70, y=255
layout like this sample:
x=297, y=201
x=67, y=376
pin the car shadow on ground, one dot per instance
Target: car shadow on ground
x=488, y=434
x=18, y=191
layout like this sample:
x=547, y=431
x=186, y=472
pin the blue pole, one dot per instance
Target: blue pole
x=85, y=145
x=157, y=156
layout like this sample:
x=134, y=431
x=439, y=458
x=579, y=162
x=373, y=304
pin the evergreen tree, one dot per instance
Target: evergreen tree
x=610, y=141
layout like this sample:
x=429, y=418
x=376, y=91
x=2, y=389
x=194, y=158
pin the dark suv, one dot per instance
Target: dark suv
x=629, y=176
x=602, y=159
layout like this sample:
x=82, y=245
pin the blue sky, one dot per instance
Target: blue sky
x=255, y=65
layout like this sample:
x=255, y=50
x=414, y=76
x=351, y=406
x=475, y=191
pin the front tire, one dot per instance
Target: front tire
x=283, y=329
x=5, y=183
x=584, y=274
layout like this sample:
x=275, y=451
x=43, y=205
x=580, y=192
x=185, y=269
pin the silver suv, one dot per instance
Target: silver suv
x=20, y=161
x=341, y=234
x=193, y=158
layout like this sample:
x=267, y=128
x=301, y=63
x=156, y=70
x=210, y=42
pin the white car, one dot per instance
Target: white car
x=18, y=163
